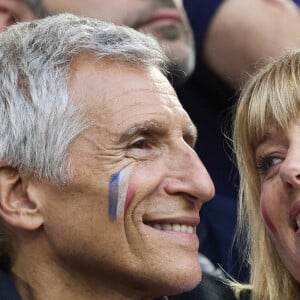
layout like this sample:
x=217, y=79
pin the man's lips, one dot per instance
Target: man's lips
x=178, y=224
x=161, y=16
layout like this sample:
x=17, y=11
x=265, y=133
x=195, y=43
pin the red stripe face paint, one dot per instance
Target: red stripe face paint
x=131, y=191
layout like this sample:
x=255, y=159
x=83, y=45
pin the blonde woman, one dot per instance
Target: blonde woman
x=267, y=144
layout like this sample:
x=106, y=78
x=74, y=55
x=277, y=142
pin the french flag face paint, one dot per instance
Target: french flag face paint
x=119, y=193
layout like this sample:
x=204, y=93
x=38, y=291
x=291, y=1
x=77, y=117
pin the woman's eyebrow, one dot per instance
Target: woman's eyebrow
x=268, y=136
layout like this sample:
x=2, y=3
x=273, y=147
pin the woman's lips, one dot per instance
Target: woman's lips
x=295, y=215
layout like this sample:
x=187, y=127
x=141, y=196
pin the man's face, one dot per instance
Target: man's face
x=130, y=211
x=12, y=11
x=165, y=19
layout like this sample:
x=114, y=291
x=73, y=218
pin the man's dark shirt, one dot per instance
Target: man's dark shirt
x=7, y=289
x=210, y=288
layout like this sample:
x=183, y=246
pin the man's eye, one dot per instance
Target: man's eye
x=143, y=148
x=139, y=144
x=265, y=163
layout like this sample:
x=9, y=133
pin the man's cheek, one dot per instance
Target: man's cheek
x=131, y=191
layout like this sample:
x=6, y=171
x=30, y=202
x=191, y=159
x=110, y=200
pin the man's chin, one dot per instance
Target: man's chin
x=181, y=280
x=184, y=284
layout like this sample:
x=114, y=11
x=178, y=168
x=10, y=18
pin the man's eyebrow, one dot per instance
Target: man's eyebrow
x=138, y=129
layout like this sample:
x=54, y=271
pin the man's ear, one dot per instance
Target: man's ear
x=17, y=209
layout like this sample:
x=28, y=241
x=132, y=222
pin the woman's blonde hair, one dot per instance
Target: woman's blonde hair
x=270, y=98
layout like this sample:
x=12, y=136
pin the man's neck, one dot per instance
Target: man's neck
x=45, y=286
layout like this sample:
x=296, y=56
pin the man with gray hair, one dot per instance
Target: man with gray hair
x=100, y=188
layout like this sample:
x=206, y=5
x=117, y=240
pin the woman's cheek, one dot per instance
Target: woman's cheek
x=266, y=215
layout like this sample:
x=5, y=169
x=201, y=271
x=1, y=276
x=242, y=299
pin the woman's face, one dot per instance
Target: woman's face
x=278, y=163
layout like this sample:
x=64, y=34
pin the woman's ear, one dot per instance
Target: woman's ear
x=17, y=209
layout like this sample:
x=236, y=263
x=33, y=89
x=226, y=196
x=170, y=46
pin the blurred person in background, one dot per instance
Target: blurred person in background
x=166, y=20
x=13, y=11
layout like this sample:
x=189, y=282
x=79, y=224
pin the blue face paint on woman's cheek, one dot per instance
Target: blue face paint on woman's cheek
x=118, y=186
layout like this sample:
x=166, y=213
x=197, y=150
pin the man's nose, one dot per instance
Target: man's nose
x=290, y=170
x=189, y=176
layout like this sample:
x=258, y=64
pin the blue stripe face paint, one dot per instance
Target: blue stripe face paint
x=118, y=186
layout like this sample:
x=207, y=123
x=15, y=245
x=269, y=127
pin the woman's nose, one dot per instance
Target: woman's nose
x=290, y=170
x=189, y=176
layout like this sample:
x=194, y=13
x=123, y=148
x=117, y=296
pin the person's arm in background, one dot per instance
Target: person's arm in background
x=243, y=34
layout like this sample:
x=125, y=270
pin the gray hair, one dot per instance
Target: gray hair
x=38, y=120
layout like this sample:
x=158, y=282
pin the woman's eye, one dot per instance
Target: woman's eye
x=265, y=163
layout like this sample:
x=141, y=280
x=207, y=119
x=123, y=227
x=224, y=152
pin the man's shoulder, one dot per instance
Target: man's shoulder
x=7, y=289
x=210, y=288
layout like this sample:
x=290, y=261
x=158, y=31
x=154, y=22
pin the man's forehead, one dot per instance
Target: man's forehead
x=114, y=78
x=121, y=93
x=88, y=59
